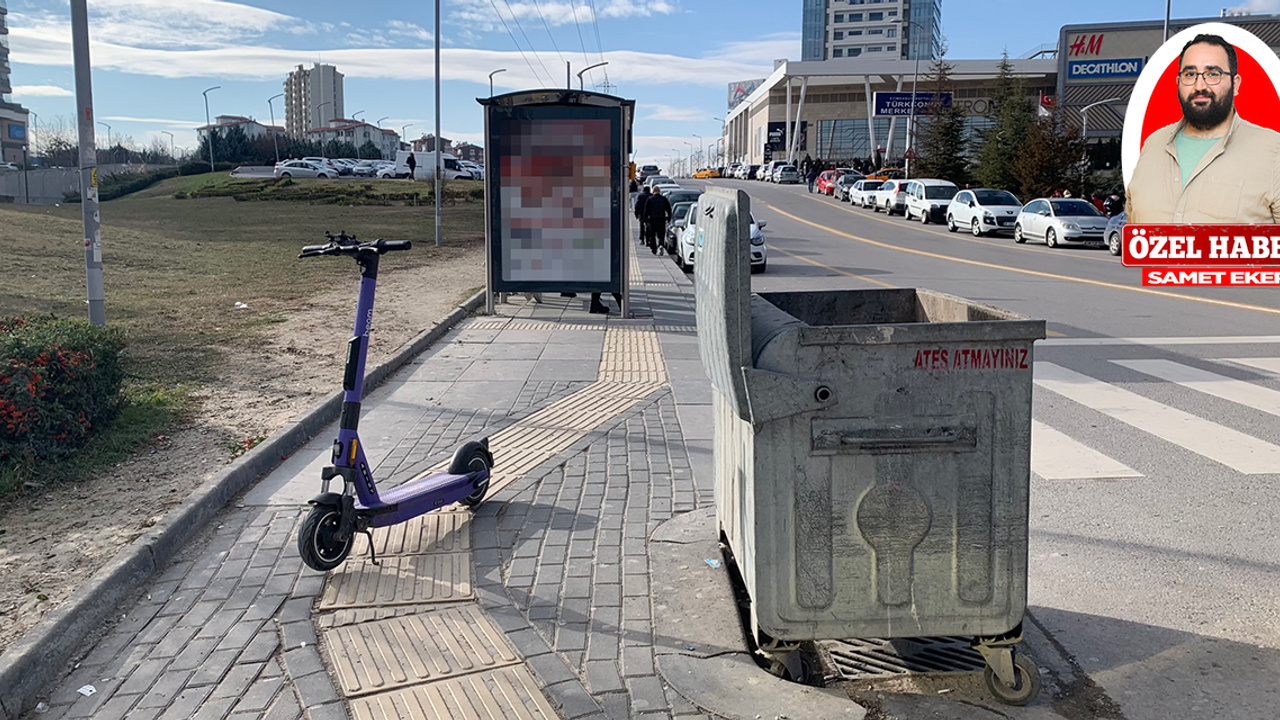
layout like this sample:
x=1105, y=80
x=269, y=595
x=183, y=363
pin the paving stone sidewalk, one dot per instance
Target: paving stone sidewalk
x=559, y=555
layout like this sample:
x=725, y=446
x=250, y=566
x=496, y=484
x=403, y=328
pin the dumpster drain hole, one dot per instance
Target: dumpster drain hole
x=823, y=394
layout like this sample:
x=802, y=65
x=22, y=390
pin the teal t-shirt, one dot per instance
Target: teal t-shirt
x=1190, y=152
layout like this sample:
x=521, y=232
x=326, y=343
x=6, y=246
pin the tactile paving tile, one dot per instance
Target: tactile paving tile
x=428, y=647
x=351, y=616
x=508, y=693
x=399, y=580
x=435, y=532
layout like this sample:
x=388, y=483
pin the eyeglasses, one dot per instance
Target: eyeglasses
x=1211, y=77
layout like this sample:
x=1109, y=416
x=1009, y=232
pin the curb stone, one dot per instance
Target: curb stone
x=39, y=658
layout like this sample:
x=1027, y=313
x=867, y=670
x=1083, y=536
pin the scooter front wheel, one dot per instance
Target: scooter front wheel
x=317, y=542
x=478, y=461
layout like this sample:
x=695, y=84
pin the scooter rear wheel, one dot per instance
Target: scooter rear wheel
x=319, y=549
x=477, y=461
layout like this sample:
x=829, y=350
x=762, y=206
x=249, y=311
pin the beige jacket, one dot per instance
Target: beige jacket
x=1237, y=181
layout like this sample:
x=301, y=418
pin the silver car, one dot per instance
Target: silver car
x=1059, y=220
x=786, y=174
x=982, y=211
x=1115, y=233
x=301, y=169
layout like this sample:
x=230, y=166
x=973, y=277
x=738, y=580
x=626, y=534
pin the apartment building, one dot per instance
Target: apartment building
x=887, y=29
x=312, y=98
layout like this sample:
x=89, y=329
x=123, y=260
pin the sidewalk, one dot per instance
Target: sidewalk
x=541, y=604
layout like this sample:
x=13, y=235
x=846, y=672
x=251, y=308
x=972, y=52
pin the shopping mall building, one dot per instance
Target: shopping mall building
x=844, y=108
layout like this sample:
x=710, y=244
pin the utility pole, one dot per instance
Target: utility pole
x=108, y=135
x=439, y=162
x=172, y=153
x=88, y=164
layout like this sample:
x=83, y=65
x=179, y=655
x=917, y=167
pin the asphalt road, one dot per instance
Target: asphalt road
x=1154, y=555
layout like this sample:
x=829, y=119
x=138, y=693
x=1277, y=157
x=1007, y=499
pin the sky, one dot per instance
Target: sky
x=675, y=58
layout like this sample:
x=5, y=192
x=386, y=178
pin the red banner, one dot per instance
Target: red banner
x=1201, y=245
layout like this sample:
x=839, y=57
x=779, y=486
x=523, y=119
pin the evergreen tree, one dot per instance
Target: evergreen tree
x=941, y=142
x=1002, y=143
x=1050, y=159
x=369, y=151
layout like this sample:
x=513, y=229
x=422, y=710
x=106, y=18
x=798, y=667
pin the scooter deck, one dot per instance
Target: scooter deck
x=421, y=495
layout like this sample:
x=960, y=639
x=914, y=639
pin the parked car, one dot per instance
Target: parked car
x=365, y=168
x=679, y=218
x=826, y=184
x=844, y=184
x=656, y=180
x=686, y=252
x=786, y=175
x=1115, y=232
x=863, y=192
x=646, y=171
x=706, y=174
x=681, y=194
x=891, y=197
x=928, y=199
x=750, y=172
x=346, y=166
x=1060, y=220
x=982, y=211
x=302, y=169
x=328, y=165
x=477, y=172
x=771, y=169
x=8, y=166
x=887, y=173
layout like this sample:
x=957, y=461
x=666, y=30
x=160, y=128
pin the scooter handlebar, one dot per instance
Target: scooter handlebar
x=338, y=247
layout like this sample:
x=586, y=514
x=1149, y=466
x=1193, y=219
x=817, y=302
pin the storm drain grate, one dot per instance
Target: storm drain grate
x=864, y=658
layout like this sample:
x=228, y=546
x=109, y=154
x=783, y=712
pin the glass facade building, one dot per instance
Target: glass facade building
x=813, y=31
x=886, y=29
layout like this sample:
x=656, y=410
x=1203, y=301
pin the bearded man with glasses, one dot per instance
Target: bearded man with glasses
x=1212, y=166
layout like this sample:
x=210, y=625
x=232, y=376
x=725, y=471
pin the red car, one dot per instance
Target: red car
x=827, y=182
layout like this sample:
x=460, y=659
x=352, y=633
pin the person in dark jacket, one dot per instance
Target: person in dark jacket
x=641, y=201
x=412, y=163
x=812, y=176
x=657, y=213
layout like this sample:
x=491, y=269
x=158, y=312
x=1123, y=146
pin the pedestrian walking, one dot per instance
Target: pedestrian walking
x=641, y=201
x=657, y=212
x=413, y=164
x=812, y=177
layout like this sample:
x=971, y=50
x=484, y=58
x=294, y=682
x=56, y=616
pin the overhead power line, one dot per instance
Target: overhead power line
x=537, y=5
x=573, y=5
x=532, y=69
x=520, y=27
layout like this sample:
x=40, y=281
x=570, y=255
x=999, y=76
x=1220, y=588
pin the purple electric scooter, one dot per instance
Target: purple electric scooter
x=328, y=533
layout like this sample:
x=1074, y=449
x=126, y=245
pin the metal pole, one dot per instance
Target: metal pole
x=274, y=144
x=439, y=143
x=700, y=146
x=568, y=72
x=88, y=164
x=26, y=168
x=172, y=155
x=108, y=135
x=495, y=72
x=589, y=67
x=1167, y=7
x=911, y=120
x=357, y=143
x=208, y=124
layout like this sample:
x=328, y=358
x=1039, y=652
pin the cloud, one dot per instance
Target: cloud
x=555, y=12
x=675, y=114
x=764, y=50
x=41, y=91
x=167, y=122
x=171, y=23
x=50, y=45
x=1257, y=7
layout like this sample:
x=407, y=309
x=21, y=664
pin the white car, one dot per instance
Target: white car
x=863, y=192
x=687, y=250
x=302, y=169
x=891, y=197
x=928, y=199
x=477, y=172
x=983, y=211
x=657, y=179
x=325, y=163
x=786, y=174
x=8, y=166
x=1059, y=220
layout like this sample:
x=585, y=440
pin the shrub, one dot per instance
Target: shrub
x=59, y=381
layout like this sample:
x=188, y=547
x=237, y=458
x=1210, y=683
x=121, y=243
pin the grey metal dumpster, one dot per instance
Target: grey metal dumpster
x=872, y=455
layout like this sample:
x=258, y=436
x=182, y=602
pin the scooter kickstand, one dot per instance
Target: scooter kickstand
x=373, y=555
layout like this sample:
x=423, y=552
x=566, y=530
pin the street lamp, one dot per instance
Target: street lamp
x=911, y=118
x=172, y=154
x=495, y=72
x=357, y=143
x=404, y=131
x=691, y=156
x=208, y=130
x=679, y=160
x=379, y=121
x=108, y=134
x=274, y=143
x=589, y=67
x=701, y=144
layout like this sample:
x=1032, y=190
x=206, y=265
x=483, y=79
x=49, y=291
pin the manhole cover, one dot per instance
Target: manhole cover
x=864, y=658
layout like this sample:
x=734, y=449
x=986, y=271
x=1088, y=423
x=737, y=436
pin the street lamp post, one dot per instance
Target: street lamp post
x=439, y=161
x=404, y=132
x=911, y=117
x=495, y=72
x=701, y=144
x=1084, y=128
x=679, y=160
x=589, y=67
x=356, y=142
x=108, y=133
x=274, y=143
x=172, y=154
x=207, y=123
x=382, y=139
x=691, y=155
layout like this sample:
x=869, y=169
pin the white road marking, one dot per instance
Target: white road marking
x=1158, y=341
x=1232, y=448
x=1209, y=383
x=1057, y=456
x=1265, y=364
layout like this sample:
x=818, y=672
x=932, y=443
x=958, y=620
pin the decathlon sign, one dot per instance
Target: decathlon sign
x=1091, y=69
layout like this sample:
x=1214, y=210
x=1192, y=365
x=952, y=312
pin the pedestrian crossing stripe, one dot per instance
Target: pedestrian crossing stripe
x=1057, y=456
x=1265, y=364
x=1160, y=341
x=1240, y=392
x=1241, y=452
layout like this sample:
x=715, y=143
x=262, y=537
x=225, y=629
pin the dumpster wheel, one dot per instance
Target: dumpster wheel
x=1023, y=685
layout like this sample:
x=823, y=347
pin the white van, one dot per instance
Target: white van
x=423, y=164
x=928, y=199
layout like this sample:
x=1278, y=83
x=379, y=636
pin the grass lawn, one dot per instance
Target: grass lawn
x=175, y=268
